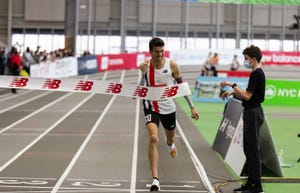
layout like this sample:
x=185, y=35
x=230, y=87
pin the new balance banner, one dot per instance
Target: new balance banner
x=281, y=58
x=95, y=86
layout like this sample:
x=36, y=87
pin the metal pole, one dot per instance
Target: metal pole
x=282, y=27
x=218, y=24
x=9, y=23
x=154, y=20
x=76, y=26
x=186, y=26
x=90, y=12
x=249, y=24
x=297, y=39
x=238, y=26
x=269, y=27
x=94, y=27
x=122, y=27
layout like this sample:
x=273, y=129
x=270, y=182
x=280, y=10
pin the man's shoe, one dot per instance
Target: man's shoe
x=155, y=185
x=254, y=188
x=244, y=187
x=253, y=191
x=173, y=151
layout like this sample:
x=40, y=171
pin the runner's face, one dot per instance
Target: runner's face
x=157, y=53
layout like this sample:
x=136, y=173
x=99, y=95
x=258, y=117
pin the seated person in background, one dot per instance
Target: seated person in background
x=206, y=66
x=235, y=63
x=214, y=62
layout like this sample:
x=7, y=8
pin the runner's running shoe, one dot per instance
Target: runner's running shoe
x=173, y=151
x=155, y=185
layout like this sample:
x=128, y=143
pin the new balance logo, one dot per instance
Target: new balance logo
x=170, y=92
x=84, y=85
x=18, y=82
x=51, y=84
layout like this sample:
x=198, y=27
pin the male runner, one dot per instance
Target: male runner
x=161, y=71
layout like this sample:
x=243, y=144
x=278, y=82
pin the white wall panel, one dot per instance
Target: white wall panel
x=44, y=10
x=260, y=15
x=169, y=12
x=199, y=13
x=276, y=15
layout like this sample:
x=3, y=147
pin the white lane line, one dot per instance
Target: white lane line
x=84, y=144
x=44, y=133
x=135, y=148
x=35, y=112
x=10, y=96
x=105, y=75
x=198, y=165
x=24, y=102
x=135, y=145
x=122, y=76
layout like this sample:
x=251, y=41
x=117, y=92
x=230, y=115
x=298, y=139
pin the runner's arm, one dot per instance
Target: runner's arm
x=178, y=78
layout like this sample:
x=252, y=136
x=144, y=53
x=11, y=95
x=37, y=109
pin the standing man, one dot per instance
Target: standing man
x=2, y=61
x=160, y=71
x=253, y=117
x=15, y=65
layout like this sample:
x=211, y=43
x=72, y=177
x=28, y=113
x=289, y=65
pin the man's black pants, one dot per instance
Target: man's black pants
x=253, y=119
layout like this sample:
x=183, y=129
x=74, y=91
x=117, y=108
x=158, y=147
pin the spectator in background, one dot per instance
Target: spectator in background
x=36, y=54
x=235, y=63
x=213, y=63
x=44, y=56
x=8, y=57
x=2, y=61
x=86, y=53
x=15, y=65
x=52, y=56
x=206, y=66
x=27, y=59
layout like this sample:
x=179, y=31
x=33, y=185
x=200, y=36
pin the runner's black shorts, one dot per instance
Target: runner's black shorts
x=167, y=120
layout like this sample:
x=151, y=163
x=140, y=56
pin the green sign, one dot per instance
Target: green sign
x=268, y=2
x=282, y=92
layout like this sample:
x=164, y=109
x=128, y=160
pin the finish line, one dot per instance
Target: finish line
x=96, y=87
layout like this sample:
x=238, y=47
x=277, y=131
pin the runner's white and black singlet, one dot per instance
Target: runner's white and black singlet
x=160, y=77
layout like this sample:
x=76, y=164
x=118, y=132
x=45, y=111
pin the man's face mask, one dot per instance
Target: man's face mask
x=247, y=64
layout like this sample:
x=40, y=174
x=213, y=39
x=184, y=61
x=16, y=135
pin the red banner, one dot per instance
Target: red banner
x=230, y=73
x=123, y=61
x=281, y=58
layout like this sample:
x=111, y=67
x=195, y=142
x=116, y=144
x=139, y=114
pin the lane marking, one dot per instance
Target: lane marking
x=45, y=133
x=173, y=186
x=84, y=144
x=135, y=146
x=9, y=96
x=80, y=150
x=198, y=165
x=26, y=178
x=87, y=185
x=35, y=112
x=24, y=102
